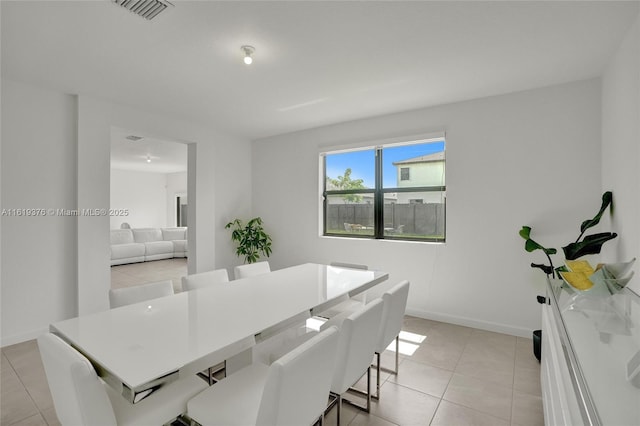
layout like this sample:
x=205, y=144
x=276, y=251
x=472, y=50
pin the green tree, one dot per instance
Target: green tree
x=345, y=182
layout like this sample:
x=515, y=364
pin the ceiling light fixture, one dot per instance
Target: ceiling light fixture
x=248, y=51
x=148, y=158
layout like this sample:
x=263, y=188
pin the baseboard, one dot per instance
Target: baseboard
x=23, y=337
x=470, y=322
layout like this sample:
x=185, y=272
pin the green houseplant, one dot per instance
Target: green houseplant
x=590, y=244
x=251, y=239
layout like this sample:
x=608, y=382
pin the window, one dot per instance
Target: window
x=368, y=192
x=404, y=173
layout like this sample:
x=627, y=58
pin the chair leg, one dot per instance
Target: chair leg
x=335, y=400
x=377, y=395
x=379, y=368
x=209, y=375
x=319, y=421
x=368, y=389
x=397, y=352
x=387, y=370
x=366, y=394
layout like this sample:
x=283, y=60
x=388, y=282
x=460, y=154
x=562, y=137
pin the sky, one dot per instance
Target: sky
x=362, y=163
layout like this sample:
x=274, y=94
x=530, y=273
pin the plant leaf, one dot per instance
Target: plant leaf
x=525, y=232
x=545, y=268
x=530, y=245
x=607, y=198
x=591, y=244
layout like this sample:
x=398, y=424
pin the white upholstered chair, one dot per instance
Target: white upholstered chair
x=293, y=390
x=394, y=305
x=140, y=293
x=204, y=279
x=251, y=270
x=80, y=397
x=358, y=339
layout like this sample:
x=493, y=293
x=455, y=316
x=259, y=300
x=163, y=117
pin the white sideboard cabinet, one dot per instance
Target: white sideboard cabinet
x=590, y=365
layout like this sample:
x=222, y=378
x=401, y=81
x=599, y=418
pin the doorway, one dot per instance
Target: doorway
x=148, y=185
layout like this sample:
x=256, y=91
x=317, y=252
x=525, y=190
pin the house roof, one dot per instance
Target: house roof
x=437, y=156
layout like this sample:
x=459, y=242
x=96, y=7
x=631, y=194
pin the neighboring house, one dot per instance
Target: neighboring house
x=426, y=170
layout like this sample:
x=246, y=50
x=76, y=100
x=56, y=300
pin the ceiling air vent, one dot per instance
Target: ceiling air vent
x=148, y=9
x=134, y=138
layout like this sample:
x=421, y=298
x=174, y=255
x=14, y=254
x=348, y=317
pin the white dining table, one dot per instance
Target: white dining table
x=141, y=347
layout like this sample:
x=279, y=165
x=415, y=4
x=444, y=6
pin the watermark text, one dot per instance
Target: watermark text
x=35, y=212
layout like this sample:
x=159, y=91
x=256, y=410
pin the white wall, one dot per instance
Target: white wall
x=545, y=149
x=56, y=153
x=143, y=195
x=38, y=170
x=621, y=147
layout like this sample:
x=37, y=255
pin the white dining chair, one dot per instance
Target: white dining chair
x=394, y=303
x=140, y=293
x=80, y=397
x=393, y=309
x=251, y=270
x=204, y=279
x=291, y=391
x=358, y=339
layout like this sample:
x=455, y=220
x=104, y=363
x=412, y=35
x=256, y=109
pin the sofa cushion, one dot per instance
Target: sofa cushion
x=146, y=235
x=172, y=234
x=179, y=248
x=158, y=247
x=124, y=251
x=121, y=236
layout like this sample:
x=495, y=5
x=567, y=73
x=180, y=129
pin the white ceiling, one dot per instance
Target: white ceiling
x=165, y=156
x=316, y=63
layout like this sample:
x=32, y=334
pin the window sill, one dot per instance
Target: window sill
x=391, y=241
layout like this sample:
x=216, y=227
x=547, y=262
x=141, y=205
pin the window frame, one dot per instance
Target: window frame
x=402, y=177
x=379, y=192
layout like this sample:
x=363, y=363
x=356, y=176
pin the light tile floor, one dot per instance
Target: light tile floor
x=457, y=376
x=134, y=274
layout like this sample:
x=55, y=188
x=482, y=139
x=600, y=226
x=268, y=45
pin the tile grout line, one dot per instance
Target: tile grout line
x=26, y=391
x=513, y=380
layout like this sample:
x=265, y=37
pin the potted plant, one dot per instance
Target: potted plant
x=590, y=244
x=251, y=239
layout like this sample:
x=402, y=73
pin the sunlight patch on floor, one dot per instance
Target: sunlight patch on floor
x=408, y=343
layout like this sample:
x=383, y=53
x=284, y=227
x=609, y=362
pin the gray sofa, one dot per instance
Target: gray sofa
x=144, y=244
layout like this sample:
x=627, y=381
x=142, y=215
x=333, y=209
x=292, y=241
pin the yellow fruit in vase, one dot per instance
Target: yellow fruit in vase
x=580, y=266
x=578, y=280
